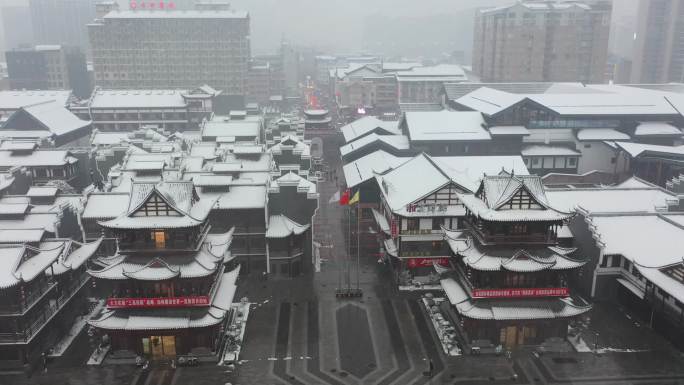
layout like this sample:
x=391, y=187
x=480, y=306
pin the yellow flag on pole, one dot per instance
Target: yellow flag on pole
x=355, y=198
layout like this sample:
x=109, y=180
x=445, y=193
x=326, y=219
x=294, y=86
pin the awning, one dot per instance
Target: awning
x=454, y=291
x=632, y=287
x=280, y=226
x=381, y=221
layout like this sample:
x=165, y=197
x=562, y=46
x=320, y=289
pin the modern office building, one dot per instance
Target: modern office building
x=542, y=41
x=659, y=49
x=49, y=67
x=62, y=21
x=171, y=49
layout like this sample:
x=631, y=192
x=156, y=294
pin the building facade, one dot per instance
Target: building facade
x=658, y=48
x=171, y=49
x=48, y=67
x=542, y=41
x=514, y=281
x=62, y=21
x=168, y=272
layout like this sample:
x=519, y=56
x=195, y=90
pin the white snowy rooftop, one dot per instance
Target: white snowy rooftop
x=619, y=199
x=599, y=134
x=489, y=101
x=657, y=129
x=280, y=226
x=446, y=126
x=36, y=158
x=13, y=100
x=626, y=235
x=366, y=167
x=638, y=149
x=548, y=150
x=398, y=142
x=440, y=72
x=103, y=99
x=367, y=124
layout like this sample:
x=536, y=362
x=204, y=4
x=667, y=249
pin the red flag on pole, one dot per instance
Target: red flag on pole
x=344, y=199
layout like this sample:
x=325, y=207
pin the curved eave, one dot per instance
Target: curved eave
x=150, y=274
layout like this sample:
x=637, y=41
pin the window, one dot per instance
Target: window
x=572, y=162
x=587, y=145
x=437, y=223
x=412, y=224
x=159, y=238
x=615, y=262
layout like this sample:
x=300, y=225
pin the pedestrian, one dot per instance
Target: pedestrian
x=44, y=356
x=431, y=367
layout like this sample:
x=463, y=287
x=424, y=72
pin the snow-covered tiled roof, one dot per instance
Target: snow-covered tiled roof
x=367, y=124
x=591, y=134
x=381, y=221
x=56, y=117
x=210, y=180
x=13, y=100
x=204, y=150
x=489, y=101
x=104, y=99
x=398, y=142
x=625, y=235
x=292, y=143
x=239, y=197
x=440, y=72
x=202, y=263
x=25, y=263
x=508, y=130
x=366, y=167
x=21, y=235
x=42, y=192
x=657, y=129
x=105, y=205
x=446, y=126
x=619, y=199
x=13, y=208
x=280, y=226
x=548, y=150
x=173, y=318
x=468, y=171
x=638, y=149
x=506, y=309
x=36, y=158
x=76, y=258
x=603, y=104
x=243, y=128
x=410, y=181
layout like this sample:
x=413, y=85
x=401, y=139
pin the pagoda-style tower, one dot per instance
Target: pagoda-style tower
x=167, y=290
x=513, y=282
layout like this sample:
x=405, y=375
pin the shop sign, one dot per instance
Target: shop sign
x=426, y=208
x=426, y=262
x=121, y=303
x=152, y=5
x=394, y=227
x=521, y=293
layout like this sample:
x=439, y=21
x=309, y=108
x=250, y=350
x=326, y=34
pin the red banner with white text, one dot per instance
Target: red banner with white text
x=123, y=303
x=521, y=293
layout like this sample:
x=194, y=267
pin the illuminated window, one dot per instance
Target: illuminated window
x=159, y=238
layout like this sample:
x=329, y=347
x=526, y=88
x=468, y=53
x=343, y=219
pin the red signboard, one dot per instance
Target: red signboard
x=120, y=303
x=521, y=293
x=426, y=262
x=394, y=226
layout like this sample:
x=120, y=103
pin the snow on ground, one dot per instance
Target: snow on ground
x=62, y=345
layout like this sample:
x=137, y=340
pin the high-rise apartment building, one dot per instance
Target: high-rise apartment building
x=48, y=67
x=161, y=49
x=62, y=21
x=659, y=45
x=542, y=41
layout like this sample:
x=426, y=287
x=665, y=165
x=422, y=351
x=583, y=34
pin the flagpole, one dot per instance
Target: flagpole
x=358, y=245
x=349, y=238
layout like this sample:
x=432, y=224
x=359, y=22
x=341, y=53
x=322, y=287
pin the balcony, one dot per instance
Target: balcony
x=42, y=319
x=486, y=238
x=424, y=253
x=31, y=300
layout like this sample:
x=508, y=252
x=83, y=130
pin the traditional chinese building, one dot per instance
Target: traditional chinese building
x=42, y=290
x=168, y=289
x=417, y=199
x=513, y=283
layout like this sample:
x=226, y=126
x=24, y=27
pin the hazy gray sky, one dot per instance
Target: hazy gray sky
x=337, y=25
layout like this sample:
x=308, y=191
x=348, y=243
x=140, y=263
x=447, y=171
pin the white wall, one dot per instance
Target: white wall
x=598, y=156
